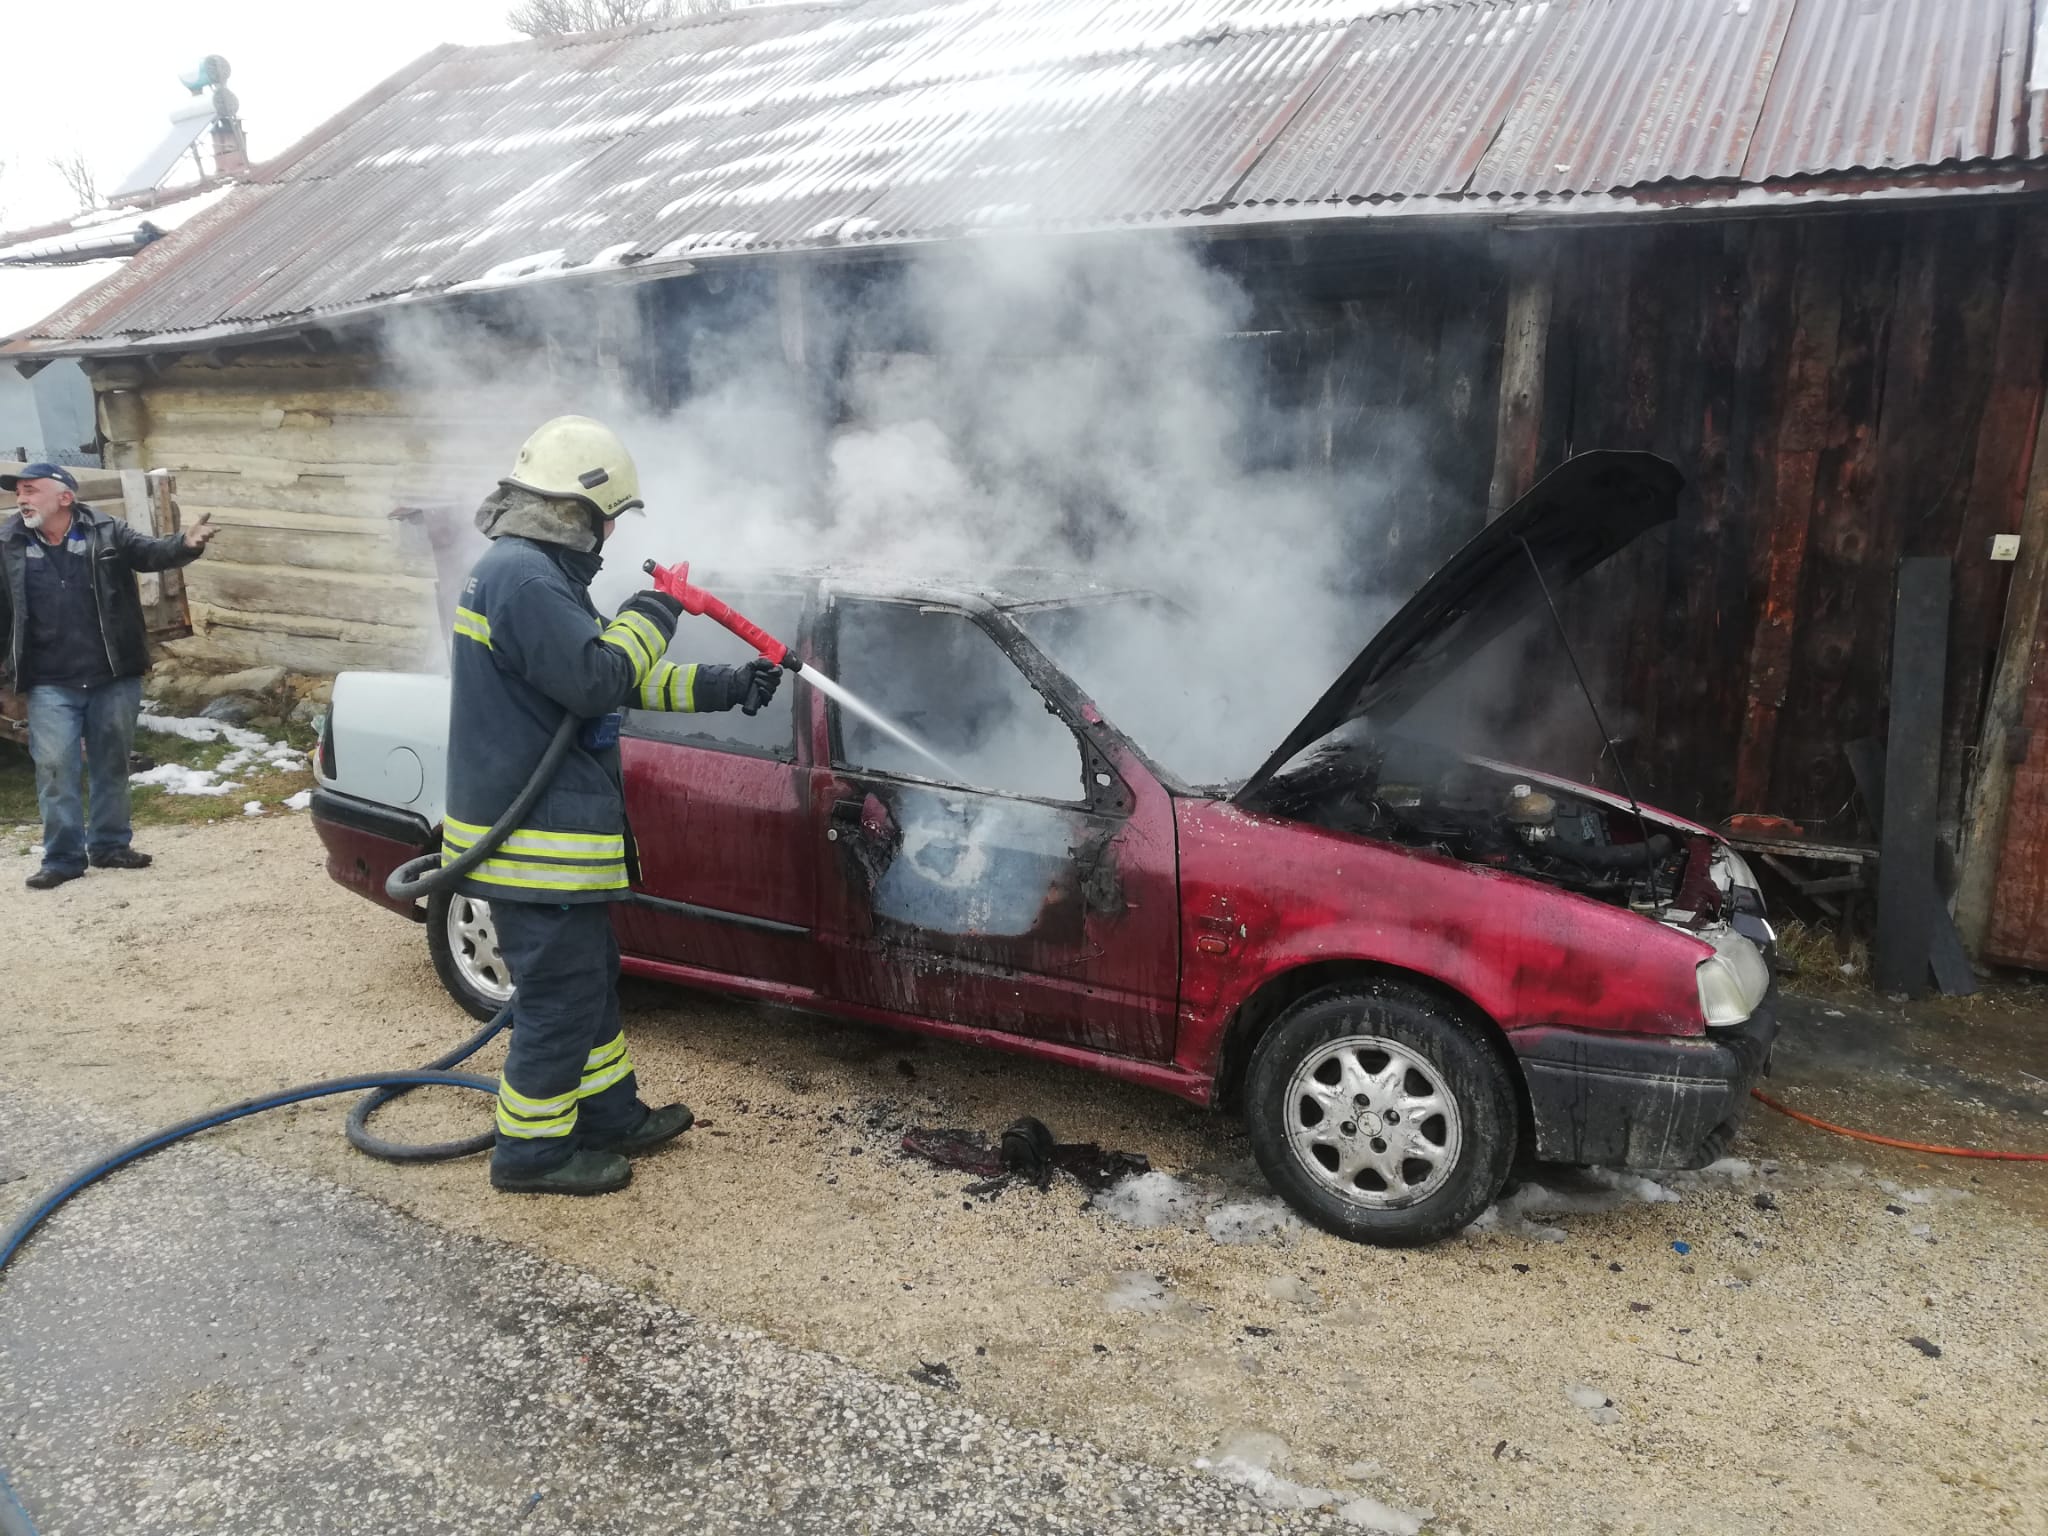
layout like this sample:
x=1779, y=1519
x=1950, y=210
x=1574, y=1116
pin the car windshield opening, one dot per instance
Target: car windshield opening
x=936, y=674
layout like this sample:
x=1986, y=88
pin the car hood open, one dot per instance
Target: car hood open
x=1587, y=509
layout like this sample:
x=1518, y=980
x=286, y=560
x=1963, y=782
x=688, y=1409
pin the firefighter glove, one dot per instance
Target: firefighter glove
x=658, y=608
x=746, y=688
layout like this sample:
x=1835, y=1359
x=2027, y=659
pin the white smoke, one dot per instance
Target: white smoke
x=1095, y=407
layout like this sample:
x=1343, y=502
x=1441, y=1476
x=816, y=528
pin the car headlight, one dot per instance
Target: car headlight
x=1721, y=997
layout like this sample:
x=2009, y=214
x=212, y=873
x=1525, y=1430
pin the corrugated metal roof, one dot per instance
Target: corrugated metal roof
x=888, y=121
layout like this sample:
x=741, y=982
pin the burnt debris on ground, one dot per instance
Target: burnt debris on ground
x=1027, y=1151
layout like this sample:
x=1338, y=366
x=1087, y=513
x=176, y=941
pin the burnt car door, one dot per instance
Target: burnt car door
x=1003, y=871
x=719, y=808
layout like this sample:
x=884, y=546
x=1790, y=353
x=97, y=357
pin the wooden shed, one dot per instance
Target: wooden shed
x=1796, y=246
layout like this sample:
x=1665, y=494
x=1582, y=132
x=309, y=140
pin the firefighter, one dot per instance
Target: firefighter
x=529, y=646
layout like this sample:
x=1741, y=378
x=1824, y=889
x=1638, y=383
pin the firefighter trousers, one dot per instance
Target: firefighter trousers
x=567, y=1075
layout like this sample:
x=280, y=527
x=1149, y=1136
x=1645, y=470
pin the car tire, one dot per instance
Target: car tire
x=1381, y=1113
x=464, y=943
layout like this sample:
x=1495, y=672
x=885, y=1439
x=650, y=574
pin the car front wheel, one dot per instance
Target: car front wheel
x=1380, y=1113
x=463, y=939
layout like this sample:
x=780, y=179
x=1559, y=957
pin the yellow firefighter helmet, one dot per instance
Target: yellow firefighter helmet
x=575, y=456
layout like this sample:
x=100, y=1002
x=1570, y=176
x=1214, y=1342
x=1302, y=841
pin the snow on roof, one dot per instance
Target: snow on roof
x=885, y=122
x=33, y=288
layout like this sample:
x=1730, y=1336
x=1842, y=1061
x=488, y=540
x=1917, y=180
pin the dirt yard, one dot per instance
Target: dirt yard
x=1815, y=1337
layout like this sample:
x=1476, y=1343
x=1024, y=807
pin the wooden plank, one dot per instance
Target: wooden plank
x=1906, y=892
x=1834, y=679
x=347, y=596
x=1519, y=427
x=375, y=553
x=173, y=616
x=1993, y=839
x=1802, y=432
x=1994, y=503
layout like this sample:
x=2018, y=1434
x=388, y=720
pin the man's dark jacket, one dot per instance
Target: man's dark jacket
x=117, y=552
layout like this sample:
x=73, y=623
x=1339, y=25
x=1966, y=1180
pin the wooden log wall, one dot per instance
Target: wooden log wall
x=300, y=460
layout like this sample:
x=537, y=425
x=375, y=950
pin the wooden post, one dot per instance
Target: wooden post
x=1518, y=437
x=2002, y=744
x=1907, y=895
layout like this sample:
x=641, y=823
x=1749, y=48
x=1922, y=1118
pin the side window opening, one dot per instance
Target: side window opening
x=772, y=732
x=941, y=677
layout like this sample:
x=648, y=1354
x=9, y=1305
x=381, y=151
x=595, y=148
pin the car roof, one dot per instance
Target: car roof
x=1013, y=590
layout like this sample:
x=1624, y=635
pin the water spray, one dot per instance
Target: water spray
x=675, y=581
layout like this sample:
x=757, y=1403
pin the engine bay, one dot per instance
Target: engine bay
x=1424, y=796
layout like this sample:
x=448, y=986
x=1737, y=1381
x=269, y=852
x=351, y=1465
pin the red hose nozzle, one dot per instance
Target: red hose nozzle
x=675, y=581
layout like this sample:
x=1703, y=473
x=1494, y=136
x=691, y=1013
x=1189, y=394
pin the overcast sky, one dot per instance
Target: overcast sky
x=101, y=76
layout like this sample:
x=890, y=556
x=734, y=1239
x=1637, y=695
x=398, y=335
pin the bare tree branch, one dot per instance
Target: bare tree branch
x=559, y=18
x=77, y=174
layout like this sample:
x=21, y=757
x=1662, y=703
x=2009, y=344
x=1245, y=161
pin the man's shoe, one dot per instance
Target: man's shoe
x=121, y=858
x=48, y=879
x=586, y=1173
x=664, y=1124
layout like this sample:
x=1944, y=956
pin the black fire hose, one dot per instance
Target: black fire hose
x=424, y=876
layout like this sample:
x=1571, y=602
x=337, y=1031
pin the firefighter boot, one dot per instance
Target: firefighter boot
x=664, y=1124
x=588, y=1172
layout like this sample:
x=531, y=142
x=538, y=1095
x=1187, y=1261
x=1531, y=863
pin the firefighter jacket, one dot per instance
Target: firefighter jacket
x=528, y=647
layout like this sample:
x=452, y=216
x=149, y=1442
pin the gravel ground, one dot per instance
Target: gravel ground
x=1558, y=1371
x=261, y=1351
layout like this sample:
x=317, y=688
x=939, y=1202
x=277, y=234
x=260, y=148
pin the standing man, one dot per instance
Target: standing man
x=77, y=646
x=529, y=648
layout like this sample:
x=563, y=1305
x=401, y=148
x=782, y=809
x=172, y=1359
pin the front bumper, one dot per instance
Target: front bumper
x=1631, y=1101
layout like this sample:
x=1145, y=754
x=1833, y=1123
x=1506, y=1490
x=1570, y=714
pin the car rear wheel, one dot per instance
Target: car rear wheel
x=1380, y=1113
x=463, y=939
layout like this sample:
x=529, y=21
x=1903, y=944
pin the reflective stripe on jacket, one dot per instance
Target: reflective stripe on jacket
x=528, y=645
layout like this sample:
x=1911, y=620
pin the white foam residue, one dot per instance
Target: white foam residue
x=1265, y=1485
x=1160, y=1200
x=1512, y=1213
x=1137, y=1292
x=1252, y=1221
x=1152, y=1200
x=1369, y=1514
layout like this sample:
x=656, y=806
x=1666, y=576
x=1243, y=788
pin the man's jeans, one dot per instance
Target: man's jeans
x=74, y=733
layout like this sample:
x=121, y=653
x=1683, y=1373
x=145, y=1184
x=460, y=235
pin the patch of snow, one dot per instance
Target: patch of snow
x=177, y=779
x=251, y=749
x=299, y=801
x=252, y=807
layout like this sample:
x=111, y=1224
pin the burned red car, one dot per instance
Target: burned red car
x=1405, y=966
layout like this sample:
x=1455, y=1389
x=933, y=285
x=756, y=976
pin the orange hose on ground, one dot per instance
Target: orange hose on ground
x=1892, y=1141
